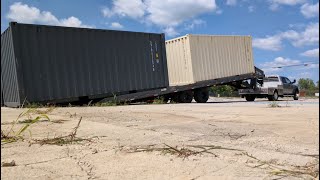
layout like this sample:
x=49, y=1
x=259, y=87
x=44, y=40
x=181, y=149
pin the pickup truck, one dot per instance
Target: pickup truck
x=271, y=87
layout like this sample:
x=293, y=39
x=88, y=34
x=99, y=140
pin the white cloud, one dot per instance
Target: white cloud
x=310, y=10
x=251, y=8
x=297, y=26
x=271, y=70
x=27, y=14
x=311, y=53
x=288, y=2
x=309, y=36
x=71, y=22
x=274, y=4
x=170, y=31
x=126, y=8
x=166, y=14
x=280, y=61
x=290, y=34
x=272, y=43
x=272, y=66
x=116, y=25
x=274, y=7
x=231, y=2
x=23, y=13
x=195, y=23
x=174, y=12
x=106, y=12
x=219, y=11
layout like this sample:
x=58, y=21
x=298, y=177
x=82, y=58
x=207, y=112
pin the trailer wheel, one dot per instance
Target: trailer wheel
x=174, y=98
x=185, y=97
x=166, y=98
x=273, y=97
x=201, y=95
x=250, y=97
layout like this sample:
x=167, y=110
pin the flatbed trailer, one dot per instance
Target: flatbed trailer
x=105, y=65
x=185, y=93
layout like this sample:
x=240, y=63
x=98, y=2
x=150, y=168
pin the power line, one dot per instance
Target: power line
x=304, y=64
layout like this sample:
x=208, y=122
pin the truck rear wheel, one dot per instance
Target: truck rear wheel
x=201, y=95
x=296, y=95
x=250, y=97
x=273, y=97
x=185, y=97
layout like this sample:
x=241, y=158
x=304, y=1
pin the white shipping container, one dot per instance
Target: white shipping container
x=195, y=58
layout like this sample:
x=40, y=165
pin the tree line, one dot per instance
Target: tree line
x=308, y=85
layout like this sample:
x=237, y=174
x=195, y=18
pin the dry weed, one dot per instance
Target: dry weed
x=183, y=152
x=277, y=169
x=61, y=140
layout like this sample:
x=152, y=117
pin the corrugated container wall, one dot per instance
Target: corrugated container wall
x=9, y=80
x=196, y=58
x=49, y=63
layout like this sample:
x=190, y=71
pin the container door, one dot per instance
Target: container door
x=157, y=60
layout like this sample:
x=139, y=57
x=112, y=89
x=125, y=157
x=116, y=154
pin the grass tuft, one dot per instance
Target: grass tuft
x=274, y=104
x=13, y=136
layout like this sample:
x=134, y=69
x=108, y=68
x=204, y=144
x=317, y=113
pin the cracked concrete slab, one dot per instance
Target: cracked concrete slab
x=287, y=137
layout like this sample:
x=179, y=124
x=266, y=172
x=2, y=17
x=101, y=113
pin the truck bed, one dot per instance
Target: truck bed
x=260, y=91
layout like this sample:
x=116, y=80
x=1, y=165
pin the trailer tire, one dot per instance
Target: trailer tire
x=250, y=98
x=185, y=97
x=174, y=98
x=166, y=98
x=201, y=95
x=274, y=97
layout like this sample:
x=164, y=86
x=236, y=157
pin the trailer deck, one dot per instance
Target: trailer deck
x=176, y=89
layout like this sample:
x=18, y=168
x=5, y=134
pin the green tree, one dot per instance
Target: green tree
x=306, y=84
x=317, y=84
x=224, y=91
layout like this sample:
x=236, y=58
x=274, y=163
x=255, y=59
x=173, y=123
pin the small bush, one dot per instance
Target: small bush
x=159, y=100
x=224, y=91
x=33, y=105
x=103, y=104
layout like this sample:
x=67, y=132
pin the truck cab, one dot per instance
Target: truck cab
x=271, y=87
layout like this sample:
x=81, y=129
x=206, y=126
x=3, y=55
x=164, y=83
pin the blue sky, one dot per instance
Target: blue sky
x=284, y=32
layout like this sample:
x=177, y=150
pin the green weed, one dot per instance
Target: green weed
x=13, y=136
